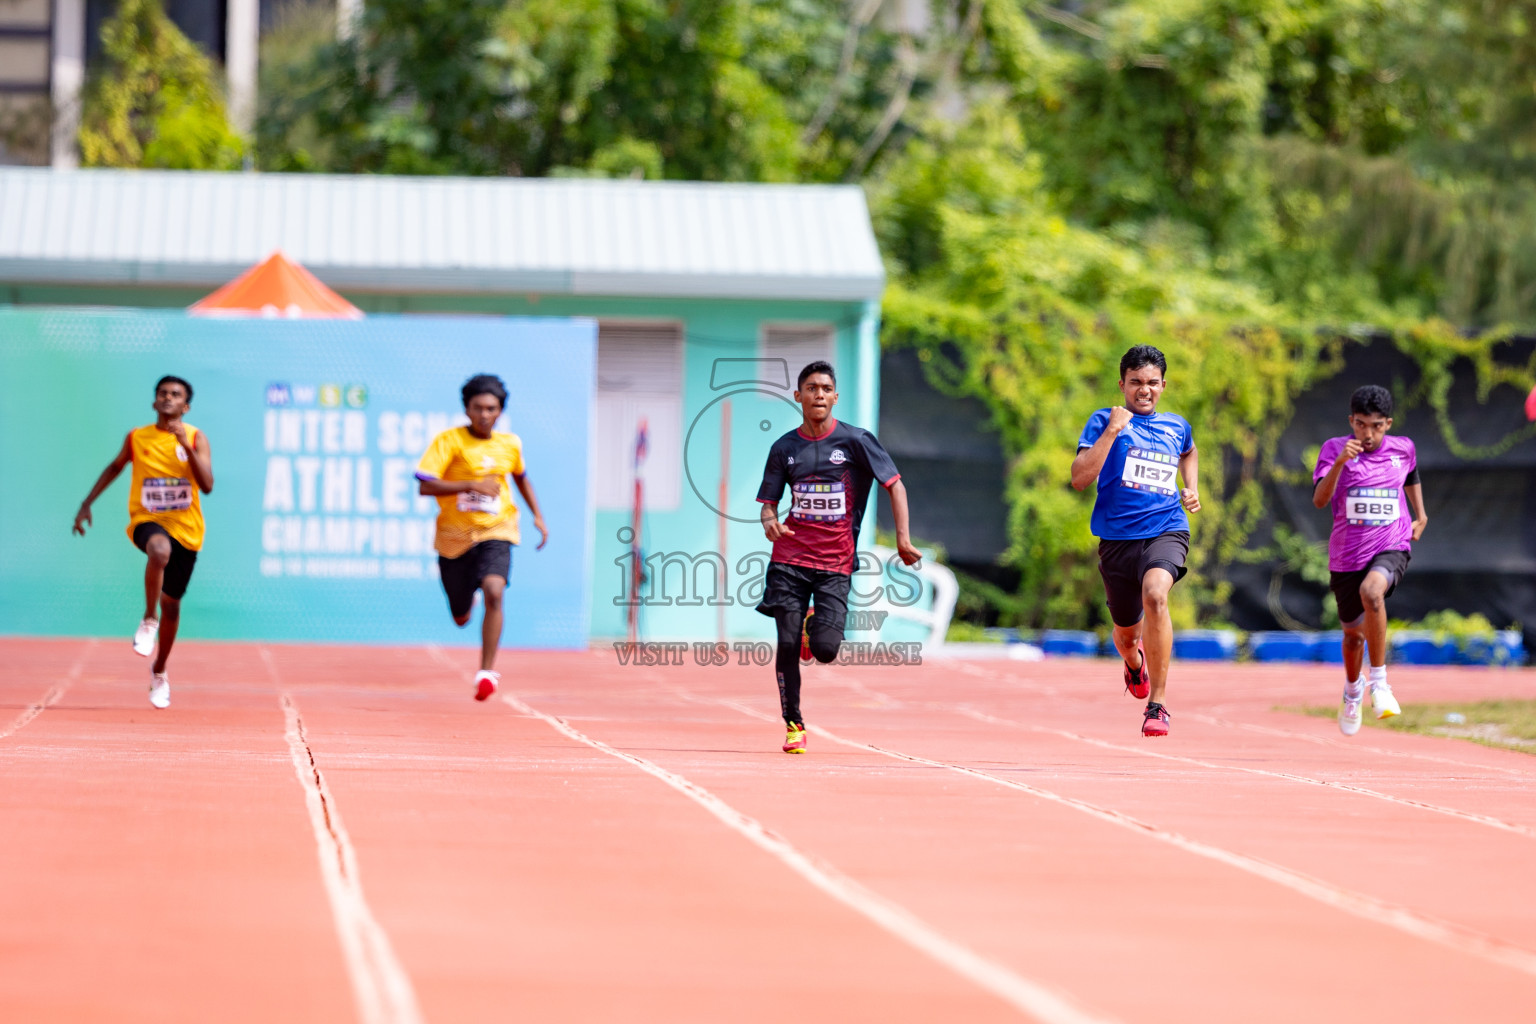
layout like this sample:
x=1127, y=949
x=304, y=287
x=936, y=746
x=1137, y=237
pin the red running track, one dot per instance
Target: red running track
x=328, y=834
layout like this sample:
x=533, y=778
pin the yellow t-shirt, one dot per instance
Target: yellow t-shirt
x=465, y=519
x=163, y=489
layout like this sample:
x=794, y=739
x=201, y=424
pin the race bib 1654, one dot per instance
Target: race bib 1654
x=165, y=494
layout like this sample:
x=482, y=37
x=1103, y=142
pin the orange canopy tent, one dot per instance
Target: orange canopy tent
x=276, y=287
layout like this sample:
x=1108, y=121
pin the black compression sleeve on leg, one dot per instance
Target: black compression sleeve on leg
x=786, y=665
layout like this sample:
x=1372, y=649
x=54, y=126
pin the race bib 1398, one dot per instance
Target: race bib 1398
x=1372, y=506
x=818, y=501
x=1150, y=471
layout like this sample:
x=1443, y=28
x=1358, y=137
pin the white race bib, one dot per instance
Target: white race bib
x=1372, y=506
x=474, y=501
x=1150, y=471
x=818, y=501
x=165, y=494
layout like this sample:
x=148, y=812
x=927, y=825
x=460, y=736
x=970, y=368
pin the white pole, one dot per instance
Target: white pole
x=242, y=30
x=68, y=76
x=348, y=14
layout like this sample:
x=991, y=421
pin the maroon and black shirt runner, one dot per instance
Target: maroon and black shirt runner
x=829, y=479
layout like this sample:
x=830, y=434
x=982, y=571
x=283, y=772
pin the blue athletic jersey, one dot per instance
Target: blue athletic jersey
x=1138, y=494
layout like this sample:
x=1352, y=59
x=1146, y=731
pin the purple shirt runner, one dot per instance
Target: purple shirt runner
x=1370, y=512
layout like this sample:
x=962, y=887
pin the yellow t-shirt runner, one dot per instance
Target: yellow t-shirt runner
x=163, y=490
x=467, y=518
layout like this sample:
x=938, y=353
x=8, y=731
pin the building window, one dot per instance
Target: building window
x=639, y=377
x=797, y=345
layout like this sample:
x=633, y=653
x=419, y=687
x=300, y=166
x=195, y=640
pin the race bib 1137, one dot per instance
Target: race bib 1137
x=818, y=501
x=1150, y=471
x=1372, y=506
x=165, y=494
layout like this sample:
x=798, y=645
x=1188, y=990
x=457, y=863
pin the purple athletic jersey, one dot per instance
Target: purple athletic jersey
x=1370, y=511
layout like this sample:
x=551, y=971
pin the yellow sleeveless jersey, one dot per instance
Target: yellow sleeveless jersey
x=465, y=519
x=163, y=489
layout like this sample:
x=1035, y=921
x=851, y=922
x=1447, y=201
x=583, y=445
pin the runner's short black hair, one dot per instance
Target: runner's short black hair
x=1143, y=355
x=484, y=384
x=1373, y=398
x=819, y=366
x=168, y=379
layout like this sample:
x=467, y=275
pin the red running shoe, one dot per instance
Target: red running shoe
x=1155, y=722
x=794, y=738
x=485, y=684
x=805, y=636
x=1137, y=684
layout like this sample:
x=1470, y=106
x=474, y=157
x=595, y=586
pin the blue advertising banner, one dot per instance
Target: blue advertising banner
x=315, y=530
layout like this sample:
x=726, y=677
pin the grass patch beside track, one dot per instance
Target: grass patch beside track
x=1506, y=724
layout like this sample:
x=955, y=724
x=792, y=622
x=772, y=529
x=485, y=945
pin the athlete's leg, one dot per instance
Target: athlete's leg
x=158, y=550
x=170, y=618
x=827, y=628
x=1354, y=647
x=1373, y=595
x=786, y=664
x=1157, y=628
x=492, y=588
x=1126, y=638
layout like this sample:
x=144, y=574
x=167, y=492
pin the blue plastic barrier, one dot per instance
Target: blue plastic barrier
x=1283, y=645
x=1503, y=648
x=1330, y=646
x=1069, y=643
x=1420, y=647
x=1205, y=644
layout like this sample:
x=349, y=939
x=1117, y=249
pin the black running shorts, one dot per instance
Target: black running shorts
x=461, y=576
x=789, y=589
x=178, y=571
x=1123, y=563
x=1346, y=585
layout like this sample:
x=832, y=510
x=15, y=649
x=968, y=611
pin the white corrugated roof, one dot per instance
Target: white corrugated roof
x=397, y=234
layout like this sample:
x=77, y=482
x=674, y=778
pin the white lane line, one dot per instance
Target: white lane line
x=1028, y=996
x=1410, y=922
x=1452, y=812
x=1264, y=730
x=380, y=986
x=54, y=694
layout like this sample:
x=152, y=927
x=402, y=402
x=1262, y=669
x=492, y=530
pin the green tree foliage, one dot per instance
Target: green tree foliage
x=153, y=100
x=1251, y=185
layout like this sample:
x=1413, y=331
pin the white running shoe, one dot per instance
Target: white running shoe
x=160, y=689
x=1349, y=714
x=144, y=637
x=1382, y=700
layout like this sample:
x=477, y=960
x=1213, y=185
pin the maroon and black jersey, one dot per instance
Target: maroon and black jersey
x=829, y=479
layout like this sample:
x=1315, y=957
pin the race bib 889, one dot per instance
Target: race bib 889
x=165, y=494
x=1371, y=506
x=818, y=501
x=1150, y=471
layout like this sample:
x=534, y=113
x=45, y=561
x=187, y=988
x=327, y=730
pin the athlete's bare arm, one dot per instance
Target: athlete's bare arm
x=525, y=488
x=1415, y=495
x=490, y=485
x=898, y=495
x=771, y=525
x=1089, y=461
x=200, y=459
x=123, y=457
x=1189, y=469
x=1322, y=494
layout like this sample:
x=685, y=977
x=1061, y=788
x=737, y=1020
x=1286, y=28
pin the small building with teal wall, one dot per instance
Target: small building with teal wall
x=709, y=299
